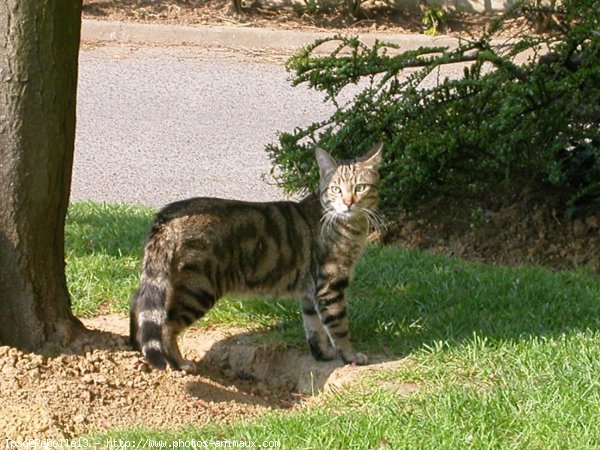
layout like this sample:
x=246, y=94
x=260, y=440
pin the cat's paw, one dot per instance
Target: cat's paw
x=185, y=365
x=359, y=359
x=188, y=366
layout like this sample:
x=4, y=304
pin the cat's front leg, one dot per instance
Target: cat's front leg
x=316, y=335
x=332, y=308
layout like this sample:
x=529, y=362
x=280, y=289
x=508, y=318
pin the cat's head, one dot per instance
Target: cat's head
x=349, y=188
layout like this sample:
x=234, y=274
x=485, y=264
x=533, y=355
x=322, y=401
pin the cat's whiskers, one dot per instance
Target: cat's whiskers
x=375, y=220
x=331, y=216
x=328, y=220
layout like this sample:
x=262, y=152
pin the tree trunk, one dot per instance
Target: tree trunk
x=39, y=46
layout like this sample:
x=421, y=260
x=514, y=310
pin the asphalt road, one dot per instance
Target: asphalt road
x=162, y=122
x=158, y=124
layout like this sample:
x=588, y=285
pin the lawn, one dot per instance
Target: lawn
x=494, y=357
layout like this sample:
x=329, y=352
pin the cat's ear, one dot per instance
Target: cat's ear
x=325, y=161
x=374, y=156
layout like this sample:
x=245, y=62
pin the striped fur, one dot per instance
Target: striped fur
x=203, y=248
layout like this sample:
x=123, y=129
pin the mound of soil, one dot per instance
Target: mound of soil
x=532, y=229
x=100, y=384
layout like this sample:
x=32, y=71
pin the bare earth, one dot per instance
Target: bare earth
x=100, y=384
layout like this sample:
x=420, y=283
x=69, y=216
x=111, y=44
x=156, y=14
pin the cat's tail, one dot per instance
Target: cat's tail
x=147, y=312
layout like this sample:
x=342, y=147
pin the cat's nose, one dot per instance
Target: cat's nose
x=348, y=202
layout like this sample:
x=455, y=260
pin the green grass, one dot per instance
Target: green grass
x=104, y=245
x=495, y=357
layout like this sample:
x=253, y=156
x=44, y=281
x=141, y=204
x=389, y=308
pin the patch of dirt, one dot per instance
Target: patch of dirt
x=532, y=229
x=283, y=14
x=100, y=384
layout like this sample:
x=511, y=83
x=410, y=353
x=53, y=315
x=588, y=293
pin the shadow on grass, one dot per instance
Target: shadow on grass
x=404, y=300
x=110, y=229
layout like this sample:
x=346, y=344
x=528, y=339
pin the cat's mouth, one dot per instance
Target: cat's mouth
x=350, y=212
x=354, y=212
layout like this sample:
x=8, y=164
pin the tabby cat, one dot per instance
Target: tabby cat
x=203, y=248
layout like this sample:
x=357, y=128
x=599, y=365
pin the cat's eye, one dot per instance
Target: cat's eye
x=336, y=189
x=360, y=188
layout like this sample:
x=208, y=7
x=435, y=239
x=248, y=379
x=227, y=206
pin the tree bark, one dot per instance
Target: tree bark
x=39, y=46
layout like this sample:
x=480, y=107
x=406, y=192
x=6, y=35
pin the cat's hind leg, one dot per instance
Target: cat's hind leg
x=173, y=355
x=186, y=305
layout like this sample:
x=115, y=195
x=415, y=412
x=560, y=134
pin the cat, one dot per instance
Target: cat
x=200, y=249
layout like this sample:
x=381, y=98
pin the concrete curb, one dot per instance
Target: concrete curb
x=231, y=36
